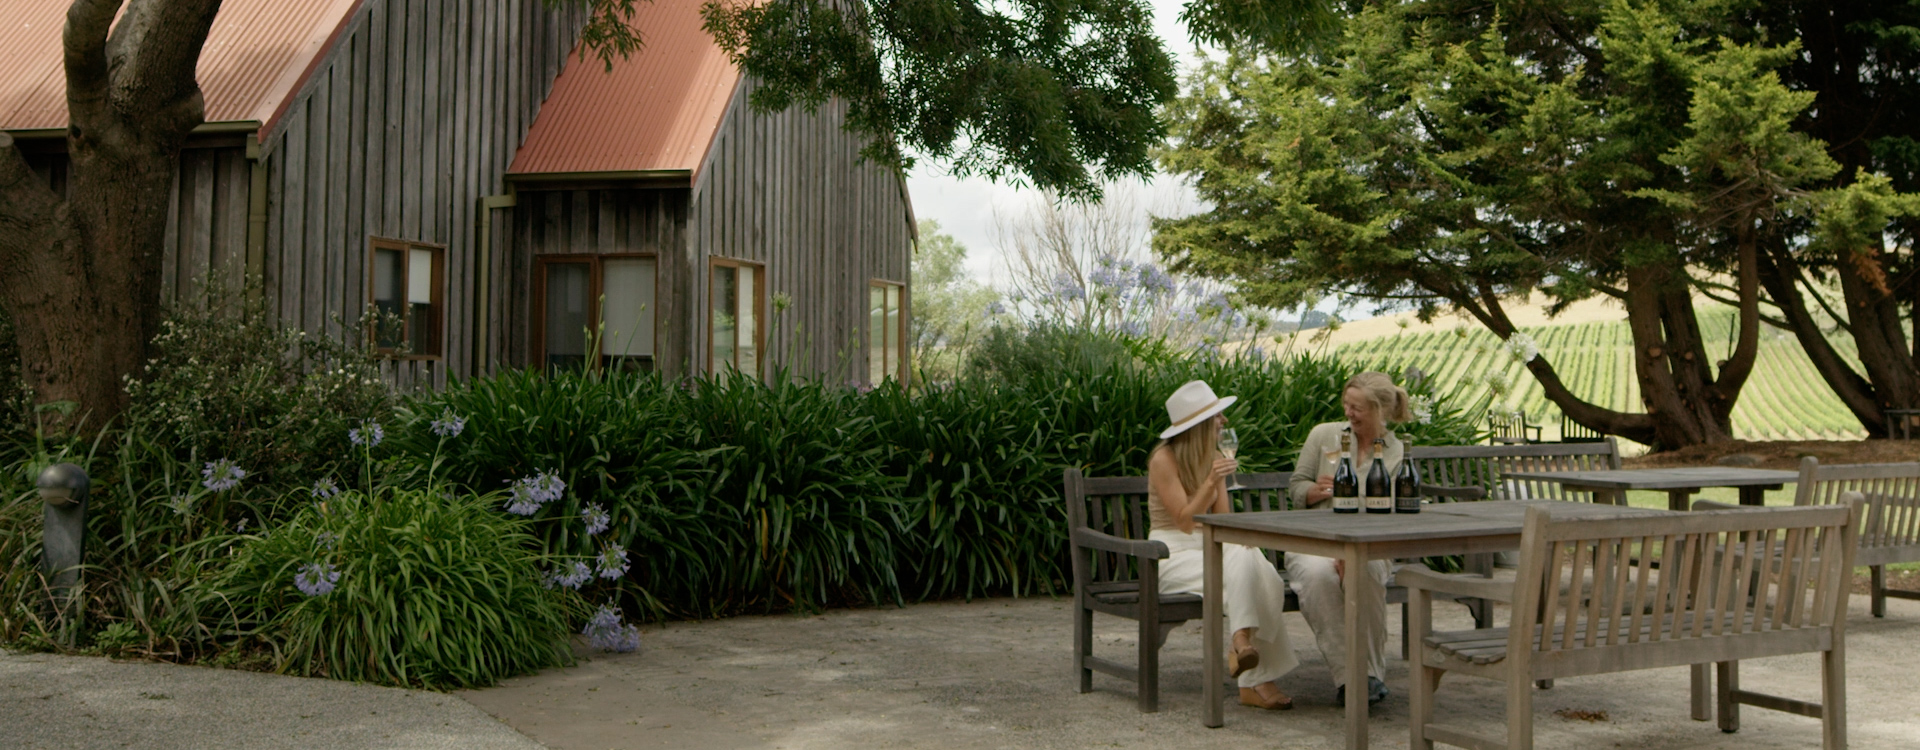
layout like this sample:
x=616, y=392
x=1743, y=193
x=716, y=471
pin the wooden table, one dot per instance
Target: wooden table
x=1680, y=483
x=1440, y=529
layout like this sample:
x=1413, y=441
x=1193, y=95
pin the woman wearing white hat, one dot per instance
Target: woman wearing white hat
x=1186, y=475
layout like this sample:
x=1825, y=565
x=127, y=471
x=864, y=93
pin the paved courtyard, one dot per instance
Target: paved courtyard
x=986, y=674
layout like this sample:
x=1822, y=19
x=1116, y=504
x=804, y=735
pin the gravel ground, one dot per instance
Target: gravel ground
x=81, y=703
x=997, y=674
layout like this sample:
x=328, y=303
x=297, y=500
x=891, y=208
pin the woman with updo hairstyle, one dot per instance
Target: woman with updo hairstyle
x=1370, y=400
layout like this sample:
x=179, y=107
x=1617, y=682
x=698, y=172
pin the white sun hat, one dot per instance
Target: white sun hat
x=1192, y=404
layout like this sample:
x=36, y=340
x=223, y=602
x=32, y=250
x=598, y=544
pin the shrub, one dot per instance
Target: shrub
x=412, y=588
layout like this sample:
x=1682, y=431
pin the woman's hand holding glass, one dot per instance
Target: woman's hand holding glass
x=1229, y=446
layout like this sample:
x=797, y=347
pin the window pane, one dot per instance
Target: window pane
x=894, y=354
x=876, y=341
x=566, y=314
x=389, y=282
x=420, y=276
x=725, y=300
x=626, y=307
x=749, y=316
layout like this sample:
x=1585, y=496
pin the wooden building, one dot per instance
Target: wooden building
x=456, y=163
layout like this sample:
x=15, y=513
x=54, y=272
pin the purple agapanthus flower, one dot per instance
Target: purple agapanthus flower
x=529, y=493
x=605, y=631
x=369, y=434
x=612, y=561
x=324, y=488
x=326, y=540
x=449, y=425
x=573, y=576
x=316, y=578
x=597, y=519
x=221, y=475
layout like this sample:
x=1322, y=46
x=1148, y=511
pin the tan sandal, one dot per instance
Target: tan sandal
x=1252, y=697
x=1240, y=660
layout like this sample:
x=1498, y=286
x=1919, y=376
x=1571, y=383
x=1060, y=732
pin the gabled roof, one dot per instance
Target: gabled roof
x=257, y=55
x=656, y=112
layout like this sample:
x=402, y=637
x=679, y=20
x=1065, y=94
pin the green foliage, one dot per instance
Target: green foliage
x=949, y=308
x=13, y=396
x=436, y=590
x=230, y=384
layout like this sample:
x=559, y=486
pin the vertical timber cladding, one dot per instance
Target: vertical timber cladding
x=596, y=221
x=791, y=190
x=402, y=127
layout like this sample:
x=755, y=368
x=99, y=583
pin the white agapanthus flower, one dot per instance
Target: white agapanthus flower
x=1422, y=408
x=1523, y=347
x=1497, y=382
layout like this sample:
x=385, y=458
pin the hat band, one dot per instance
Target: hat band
x=1197, y=412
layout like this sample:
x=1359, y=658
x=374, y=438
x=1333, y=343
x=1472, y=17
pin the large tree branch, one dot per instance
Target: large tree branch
x=1780, y=274
x=156, y=51
x=1733, y=375
x=88, y=72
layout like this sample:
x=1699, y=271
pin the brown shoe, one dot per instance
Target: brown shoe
x=1240, y=660
x=1252, y=697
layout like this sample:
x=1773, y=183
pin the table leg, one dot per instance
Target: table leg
x=1358, y=585
x=1754, y=495
x=1213, y=650
x=1678, y=499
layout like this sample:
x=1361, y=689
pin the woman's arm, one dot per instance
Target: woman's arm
x=1305, y=485
x=1164, y=475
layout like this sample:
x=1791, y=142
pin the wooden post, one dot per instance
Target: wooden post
x=1213, y=650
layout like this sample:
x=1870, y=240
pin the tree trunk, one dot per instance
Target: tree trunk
x=80, y=273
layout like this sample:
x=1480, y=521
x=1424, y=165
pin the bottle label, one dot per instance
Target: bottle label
x=1349, y=502
x=1380, y=503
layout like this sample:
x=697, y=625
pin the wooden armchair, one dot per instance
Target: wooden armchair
x=1447, y=467
x=1890, y=533
x=1589, y=599
x=1574, y=432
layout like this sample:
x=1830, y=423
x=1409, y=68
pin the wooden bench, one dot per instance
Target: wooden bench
x=1587, y=601
x=1890, y=532
x=1116, y=571
x=1574, y=432
x=1451, y=468
x=1512, y=429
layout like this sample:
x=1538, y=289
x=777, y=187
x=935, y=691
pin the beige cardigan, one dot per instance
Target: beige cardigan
x=1325, y=437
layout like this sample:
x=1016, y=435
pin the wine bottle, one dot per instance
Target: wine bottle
x=1406, y=484
x=1346, y=484
x=1379, y=487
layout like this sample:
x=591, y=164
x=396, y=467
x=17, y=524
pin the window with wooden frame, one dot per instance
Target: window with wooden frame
x=594, y=303
x=886, y=330
x=406, y=284
x=736, y=298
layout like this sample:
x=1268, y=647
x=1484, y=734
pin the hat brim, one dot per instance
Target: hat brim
x=1198, y=417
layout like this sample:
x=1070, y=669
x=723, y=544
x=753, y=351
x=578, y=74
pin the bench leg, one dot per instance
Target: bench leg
x=1702, y=689
x=1729, y=681
x=1519, y=713
x=1425, y=679
x=1149, y=666
x=1833, y=697
x=1083, y=645
x=1878, y=574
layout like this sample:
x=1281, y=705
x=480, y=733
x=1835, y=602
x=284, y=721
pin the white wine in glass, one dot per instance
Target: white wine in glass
x=1230, y=445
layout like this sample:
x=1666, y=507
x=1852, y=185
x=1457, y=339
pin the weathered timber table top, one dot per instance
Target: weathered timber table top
x=1686, y=477
x=1434, y=521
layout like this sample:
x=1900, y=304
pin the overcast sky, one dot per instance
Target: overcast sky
x=965, y=208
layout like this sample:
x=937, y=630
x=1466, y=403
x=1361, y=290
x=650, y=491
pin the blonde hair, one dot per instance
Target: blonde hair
x=1194, y=452
x=1389, y=399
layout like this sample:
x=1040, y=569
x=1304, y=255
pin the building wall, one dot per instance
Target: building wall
x=790, y=190
x=410, y=119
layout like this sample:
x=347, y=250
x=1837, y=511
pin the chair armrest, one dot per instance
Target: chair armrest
x=1717, y=505
x=1417, y=576
x=1135, y=547
x=1453, y=493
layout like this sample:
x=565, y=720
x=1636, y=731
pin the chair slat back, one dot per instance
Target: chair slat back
x=1483, y=466
x=1891, y=491
x=1603, y=582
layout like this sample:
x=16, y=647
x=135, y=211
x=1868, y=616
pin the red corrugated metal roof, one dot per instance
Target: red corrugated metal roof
x=657, y=110
x=257, y=54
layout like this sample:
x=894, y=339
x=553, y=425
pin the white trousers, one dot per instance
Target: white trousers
x=1323, y=599
x=1252, y=592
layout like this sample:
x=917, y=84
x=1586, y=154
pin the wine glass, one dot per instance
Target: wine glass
x=1230, y=445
